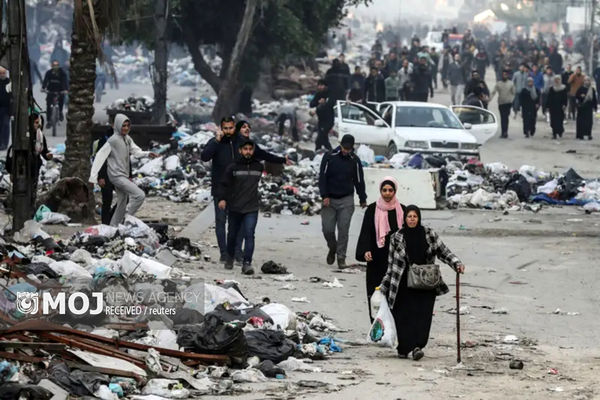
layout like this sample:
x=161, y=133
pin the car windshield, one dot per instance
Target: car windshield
x=427, y=117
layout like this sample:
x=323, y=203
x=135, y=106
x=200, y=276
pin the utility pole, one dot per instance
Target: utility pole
x=23, y=196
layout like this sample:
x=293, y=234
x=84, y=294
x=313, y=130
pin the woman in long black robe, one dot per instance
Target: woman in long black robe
x=367, y=248
x=587, y=102
x=412, y=308
x=557, y=104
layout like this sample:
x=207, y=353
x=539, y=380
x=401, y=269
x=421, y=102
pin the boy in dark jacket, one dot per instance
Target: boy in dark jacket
x=238, y=191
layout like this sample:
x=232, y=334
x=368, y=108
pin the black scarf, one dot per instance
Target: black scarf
x=416, y=244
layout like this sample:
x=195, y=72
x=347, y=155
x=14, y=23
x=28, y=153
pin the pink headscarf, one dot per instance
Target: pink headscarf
x=382, y=224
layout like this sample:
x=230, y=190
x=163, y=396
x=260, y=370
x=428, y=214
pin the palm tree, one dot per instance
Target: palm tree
x=92, y=19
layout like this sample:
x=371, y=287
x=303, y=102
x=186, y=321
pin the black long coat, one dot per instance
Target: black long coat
x=367, y=241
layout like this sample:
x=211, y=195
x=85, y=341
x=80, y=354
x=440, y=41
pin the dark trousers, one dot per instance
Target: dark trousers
x=323, y=136
x=293, y=125
x=572, y=109
x=247, y=222
x=504, y=114
x=220, y=221
x=61, y=101
x=4, y=127
x=529, y=119
x=107, y=198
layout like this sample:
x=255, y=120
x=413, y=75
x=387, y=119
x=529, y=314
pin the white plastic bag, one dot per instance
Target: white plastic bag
x=130, y=263
x=69, y=269
x=383, y=329
x=151, y=168
x=281, y=315
x=376, y=300
x=49, y=218
x=172, y=163
x=366, y=154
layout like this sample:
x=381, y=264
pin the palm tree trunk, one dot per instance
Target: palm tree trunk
x=81, y=98
x=81, y=102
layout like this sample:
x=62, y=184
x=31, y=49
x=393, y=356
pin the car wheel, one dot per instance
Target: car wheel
x=391, y=150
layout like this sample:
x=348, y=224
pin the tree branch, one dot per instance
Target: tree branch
x=242, y=39
x=200, y=63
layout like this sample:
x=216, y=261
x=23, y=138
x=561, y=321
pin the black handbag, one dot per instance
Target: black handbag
x=424, y=277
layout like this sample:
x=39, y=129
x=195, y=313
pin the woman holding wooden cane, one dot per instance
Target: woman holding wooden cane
x=412, y=247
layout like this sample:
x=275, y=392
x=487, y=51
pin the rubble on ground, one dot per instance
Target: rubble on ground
x=182, y=336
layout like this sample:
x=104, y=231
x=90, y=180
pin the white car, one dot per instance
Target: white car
x=434, y=39
x=416, y=127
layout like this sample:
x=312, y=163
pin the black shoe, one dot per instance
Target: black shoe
x=229, y=264
x=223, y=258
x=239, y=260
x=589, y=138
x=247, y=269
x=342, y=263
x=61, y=117
x=417, y=354
x=331, y=257
x=554, y=137
x=504, y=136
x=404, y=356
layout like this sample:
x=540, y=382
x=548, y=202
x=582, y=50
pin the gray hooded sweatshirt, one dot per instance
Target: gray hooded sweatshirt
x=116, y=153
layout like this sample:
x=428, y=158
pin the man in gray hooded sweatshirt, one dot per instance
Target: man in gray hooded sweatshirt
x=116, y=153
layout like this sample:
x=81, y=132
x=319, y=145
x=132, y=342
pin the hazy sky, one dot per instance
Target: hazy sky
x=392, y=10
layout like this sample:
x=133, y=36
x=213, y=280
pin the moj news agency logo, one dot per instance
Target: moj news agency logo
x=78, y=303
x=28, y=303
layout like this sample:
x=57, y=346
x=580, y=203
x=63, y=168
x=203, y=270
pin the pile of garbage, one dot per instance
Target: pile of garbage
x=495, y=186
x=132, y=103
x=140, y=324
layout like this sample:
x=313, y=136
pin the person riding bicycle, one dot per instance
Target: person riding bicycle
x=55, y=84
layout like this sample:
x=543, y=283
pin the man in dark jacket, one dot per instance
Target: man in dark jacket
x=375, y=86
x=5, y=99
x=222, y=150
x=556, y=60
x=421, y=81
x=324, y=104
x=341, y=173
x=238, y=192
x=357, y=80
x=337, y=80
x=55, y=84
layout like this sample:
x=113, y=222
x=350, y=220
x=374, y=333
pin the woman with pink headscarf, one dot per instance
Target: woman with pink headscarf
x=382, y=218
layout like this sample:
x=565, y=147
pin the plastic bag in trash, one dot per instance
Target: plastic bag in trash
x=366, y=154
x=131, y=263
x=214, y=336
x=383, y=329
x=168, y=388
x=282, y=317
x=39, y=214
x=268, y=344
x=69, y=269
x=249, y=375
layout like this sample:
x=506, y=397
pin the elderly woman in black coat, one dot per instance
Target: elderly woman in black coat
x=413, y=308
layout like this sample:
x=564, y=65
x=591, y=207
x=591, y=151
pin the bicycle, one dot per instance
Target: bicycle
x=53, y=113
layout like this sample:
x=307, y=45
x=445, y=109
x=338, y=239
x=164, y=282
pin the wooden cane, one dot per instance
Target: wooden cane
x=458, y=360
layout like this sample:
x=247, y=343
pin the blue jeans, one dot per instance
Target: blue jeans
x=247, y=224
x=220, y=221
